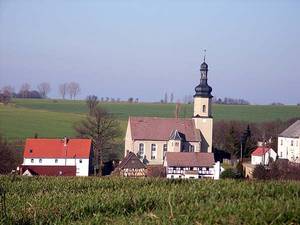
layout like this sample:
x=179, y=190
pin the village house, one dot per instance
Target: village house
x=57, y=157
x=191, y=165
x=130, y=166
x=151, y=138
x=289, y=143
x=263, y=156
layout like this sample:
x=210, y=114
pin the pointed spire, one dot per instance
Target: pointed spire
x=204, y=55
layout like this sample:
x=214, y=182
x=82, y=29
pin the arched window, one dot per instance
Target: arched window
x=204, y=108
x=141, y=149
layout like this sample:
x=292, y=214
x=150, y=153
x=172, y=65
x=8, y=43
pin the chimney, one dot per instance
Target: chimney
x=259, y=144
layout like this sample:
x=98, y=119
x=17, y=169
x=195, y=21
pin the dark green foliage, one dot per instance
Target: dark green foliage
x=232, y=173
x=41, y=200
x=229, y=173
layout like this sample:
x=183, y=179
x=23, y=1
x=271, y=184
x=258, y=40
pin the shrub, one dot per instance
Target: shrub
x=260, y=172
x=229, y=173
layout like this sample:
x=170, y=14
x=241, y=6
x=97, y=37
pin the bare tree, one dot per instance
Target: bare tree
x=8, y=90
x=24, y=90
x=92, y=102
x=102, y=128
x=10, y=158
x=73, y=89
x=44, y=89
x=171, y=97
x=166, y=98
x=63, y=88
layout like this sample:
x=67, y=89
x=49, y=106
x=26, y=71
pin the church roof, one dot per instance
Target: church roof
x=292, y=131
x=159, y=129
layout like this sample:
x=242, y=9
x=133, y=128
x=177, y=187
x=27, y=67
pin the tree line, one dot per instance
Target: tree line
x=42, y=90
x=227, y=135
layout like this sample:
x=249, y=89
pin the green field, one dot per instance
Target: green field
x=41, y=200
x=55, y=118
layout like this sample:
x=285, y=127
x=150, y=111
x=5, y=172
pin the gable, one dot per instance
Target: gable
x=131, y=161
x=160, y=129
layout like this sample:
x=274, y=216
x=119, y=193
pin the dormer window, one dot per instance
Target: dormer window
x=30, y=150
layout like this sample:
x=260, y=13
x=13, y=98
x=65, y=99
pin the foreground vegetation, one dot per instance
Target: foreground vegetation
x=41, y=200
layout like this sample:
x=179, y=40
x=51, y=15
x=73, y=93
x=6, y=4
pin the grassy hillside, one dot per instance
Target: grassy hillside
x=41, y=200
x=251, y=113
x=55, y=118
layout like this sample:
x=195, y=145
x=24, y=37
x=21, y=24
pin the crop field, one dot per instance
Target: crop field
x=59, y=200
x=55, y=118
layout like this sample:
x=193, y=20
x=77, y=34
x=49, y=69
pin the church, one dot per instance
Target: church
x=150, y=138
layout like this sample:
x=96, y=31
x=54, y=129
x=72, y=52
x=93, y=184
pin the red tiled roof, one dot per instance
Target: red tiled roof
x=50, y=170
x=154, y=128
x=54, y=148
x=260, y=151
x=190, y=159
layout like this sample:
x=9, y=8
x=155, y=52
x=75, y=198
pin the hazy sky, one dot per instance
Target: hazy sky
x=145, y=48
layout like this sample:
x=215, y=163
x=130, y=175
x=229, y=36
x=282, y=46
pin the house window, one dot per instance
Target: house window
x=30, y=150
x=165, y=149
x=80, y=160
x=280, y=154
x=141, y=149
x=56, y=160
x=281, y=142
x=32, y=160
x=204, y=108
x=40, y=160
x=292, y=143
x=153, y=151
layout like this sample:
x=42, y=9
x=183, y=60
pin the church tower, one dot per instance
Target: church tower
x=202, y=110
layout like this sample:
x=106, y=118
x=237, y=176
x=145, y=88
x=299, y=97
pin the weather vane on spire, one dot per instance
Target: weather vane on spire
x=204, y=54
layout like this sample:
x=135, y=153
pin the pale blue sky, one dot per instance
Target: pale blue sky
x=145, y=48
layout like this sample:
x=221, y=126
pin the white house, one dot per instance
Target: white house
x=191, y=165
x=289, y=143
x=263, y=155
x=57, y=157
